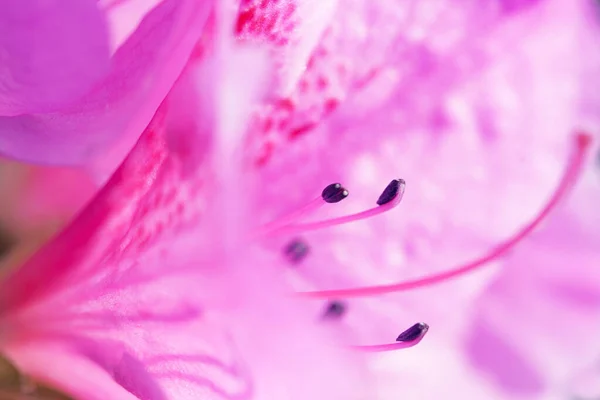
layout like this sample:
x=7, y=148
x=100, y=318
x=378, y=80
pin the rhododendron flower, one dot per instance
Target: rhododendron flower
x=314, y=165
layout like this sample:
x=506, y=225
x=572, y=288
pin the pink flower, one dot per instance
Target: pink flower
x=177, y=280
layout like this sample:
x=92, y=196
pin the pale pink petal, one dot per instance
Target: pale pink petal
x=459, y=105
x=101, y=128
x=124, y=16
x=369, y=50
x=544, y=305
x=56, y=366
x=463, y=121
x=52, y=53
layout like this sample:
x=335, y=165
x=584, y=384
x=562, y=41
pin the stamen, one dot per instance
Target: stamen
x=570, y=176
x=335, y=309
x=390, y=198
x=417, y=331
x=409, y=338
x=334, y=193
x=296, y=250
x=391, y=191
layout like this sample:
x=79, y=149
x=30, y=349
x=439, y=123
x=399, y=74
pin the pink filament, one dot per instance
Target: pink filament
x=311, y=226
x=377, y=348
x=292, y=216
x=570, y=175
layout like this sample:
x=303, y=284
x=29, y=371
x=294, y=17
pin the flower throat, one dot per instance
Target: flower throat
x=298, y=249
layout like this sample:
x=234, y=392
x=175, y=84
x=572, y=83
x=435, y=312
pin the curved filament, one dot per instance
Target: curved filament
x=569, y=177
x=383, y=206
x=409, y=338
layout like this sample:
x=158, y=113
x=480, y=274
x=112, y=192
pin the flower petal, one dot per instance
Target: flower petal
x=52, y=53
x=102, y=127
x=293, y=28
x=545, y=303
x=70, y=373
x=459, y=139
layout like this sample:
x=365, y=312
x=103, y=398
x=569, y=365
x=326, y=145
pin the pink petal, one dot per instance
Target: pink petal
x=71, y=373
x=362, y=53
x=460, y=110
x=124, y=17
x=130, y=184
x=52, y=53
x=475, y=146
x=293, y=28
x=495, y=355
x=545, y=303
x=101, y=128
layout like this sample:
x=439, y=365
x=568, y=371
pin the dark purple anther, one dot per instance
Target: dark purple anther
x=334, y=309
x=413, y=333
x=296, y=250
x=391, y=191
x=334, y=193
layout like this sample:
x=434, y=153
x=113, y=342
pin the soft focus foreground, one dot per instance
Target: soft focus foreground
x=172, y=273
